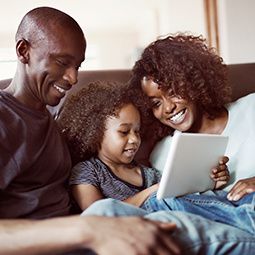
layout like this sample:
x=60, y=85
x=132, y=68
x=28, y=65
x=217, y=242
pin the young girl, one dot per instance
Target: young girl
x=102, y=125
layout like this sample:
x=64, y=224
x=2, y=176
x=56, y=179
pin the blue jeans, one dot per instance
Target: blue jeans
x=194, y=234
x=212, y=205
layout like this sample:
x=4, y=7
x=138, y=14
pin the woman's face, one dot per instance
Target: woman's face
x=171, y=110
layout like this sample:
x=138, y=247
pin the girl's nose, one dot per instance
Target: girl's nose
x=134, y=137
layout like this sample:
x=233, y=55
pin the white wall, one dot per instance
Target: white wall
x=117, y=30
x=236, y=30
x=119, y=47
x=182, y=15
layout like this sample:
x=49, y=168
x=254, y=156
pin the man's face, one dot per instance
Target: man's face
x=53, y=67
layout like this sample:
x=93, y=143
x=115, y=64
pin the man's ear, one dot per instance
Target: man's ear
x=22, y=50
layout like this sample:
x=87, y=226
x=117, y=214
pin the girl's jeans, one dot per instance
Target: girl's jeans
x=212, y=205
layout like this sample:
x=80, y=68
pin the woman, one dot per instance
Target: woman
x=186, y=83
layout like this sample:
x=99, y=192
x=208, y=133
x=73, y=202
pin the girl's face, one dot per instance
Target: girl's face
x=170, y=109
x=122, y=136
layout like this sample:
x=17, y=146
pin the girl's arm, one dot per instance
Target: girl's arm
x=139, y=198
x=85, y=195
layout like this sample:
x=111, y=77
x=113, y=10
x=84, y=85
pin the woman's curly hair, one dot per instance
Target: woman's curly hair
x=84, y=116
x=185, y=64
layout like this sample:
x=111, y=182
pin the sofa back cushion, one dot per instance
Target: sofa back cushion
x=241, y=77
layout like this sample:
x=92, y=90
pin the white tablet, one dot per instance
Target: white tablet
x=189, y=163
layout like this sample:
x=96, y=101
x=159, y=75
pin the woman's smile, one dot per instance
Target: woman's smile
x=178, y=117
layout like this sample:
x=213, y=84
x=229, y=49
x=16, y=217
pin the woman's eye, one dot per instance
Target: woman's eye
x=155, y=104
x=171, y=93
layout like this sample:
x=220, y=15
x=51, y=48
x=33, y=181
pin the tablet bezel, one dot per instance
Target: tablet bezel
x=198, y=152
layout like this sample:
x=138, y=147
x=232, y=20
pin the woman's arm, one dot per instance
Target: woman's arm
x=241, y=188
x=139, y=198
x=85, y=195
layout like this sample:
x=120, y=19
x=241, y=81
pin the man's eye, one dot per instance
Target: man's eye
x=62, y=63
x=124, y=132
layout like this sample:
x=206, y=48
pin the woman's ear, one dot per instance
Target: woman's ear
x=22, y=51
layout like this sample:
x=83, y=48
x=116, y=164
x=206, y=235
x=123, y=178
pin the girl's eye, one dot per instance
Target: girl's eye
x=137, y=132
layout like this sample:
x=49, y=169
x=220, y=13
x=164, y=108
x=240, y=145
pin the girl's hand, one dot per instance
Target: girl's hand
x=241, y=188
x=220, y=174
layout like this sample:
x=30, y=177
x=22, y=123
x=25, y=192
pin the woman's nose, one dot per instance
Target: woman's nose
x=168, y=106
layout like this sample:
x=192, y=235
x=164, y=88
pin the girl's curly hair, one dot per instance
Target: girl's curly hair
x=185, y=64
x=84, y=116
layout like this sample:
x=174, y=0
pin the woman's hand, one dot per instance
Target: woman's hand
x=241, y=188
x=220, y=174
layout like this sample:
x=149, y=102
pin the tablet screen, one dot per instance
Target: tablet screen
x=189, y=163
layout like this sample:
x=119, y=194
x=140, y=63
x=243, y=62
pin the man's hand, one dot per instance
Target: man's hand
x=131, y=236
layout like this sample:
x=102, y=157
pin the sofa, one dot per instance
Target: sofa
x=241, y=78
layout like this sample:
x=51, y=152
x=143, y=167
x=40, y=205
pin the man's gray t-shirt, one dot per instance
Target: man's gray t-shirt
x=35, y=163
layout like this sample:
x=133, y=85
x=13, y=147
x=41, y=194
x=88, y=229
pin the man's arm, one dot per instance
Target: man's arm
x=103, y=235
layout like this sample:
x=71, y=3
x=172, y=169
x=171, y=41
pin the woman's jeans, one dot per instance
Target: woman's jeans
x=212, y=205
x=194, y=234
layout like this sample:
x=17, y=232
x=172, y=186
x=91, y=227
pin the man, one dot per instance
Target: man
x=35, y=165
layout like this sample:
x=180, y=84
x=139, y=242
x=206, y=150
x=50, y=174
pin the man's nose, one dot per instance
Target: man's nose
x=71, y=75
